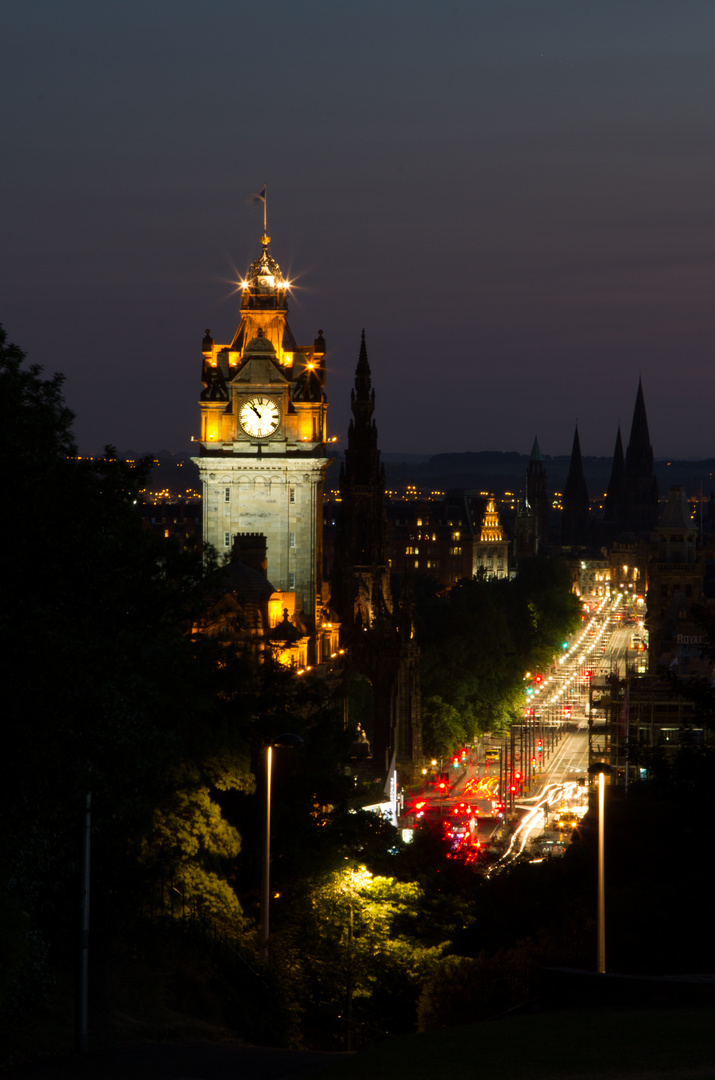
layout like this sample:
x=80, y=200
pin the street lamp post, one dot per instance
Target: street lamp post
x=601, y=769
x=289, y=740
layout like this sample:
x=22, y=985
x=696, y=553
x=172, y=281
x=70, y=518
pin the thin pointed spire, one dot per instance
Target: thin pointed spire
x=575, y=500
x=536, y=451
x=639, y=455
x=363, y=396
x=640, y=486
x=614, y=494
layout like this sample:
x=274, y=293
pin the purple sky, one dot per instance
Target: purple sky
x=515, y=198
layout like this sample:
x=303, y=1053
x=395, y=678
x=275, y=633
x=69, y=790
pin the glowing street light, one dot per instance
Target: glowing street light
x=601, y=769
x=289, y=740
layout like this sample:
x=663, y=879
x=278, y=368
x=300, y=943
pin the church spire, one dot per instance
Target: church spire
x=535, y=451
x=537, y=498
x=614, y=494
x=575, y=500
x=639, y=455
x=640, y=486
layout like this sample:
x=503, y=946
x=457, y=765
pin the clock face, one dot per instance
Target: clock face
x=259, y=416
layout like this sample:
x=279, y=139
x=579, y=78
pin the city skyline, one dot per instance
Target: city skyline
x=512, y=200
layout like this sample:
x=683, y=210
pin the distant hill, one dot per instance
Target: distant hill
x=488, y=470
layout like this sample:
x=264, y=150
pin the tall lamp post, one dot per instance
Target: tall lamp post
x=601, y=769
x=289, y=740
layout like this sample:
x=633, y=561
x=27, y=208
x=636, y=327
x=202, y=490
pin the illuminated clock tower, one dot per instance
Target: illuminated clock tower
x=263, y=454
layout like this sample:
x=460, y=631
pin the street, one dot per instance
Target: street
x=529, y=787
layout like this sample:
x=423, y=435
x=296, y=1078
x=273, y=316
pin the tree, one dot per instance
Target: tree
x=104, y=687
x=352, y=958
x=477, y=641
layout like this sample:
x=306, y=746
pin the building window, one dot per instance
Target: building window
x=227, y=494
x=227, y=539
x=417, y=564
x=292, y=539
x=419, y=521
x=291, y=580
x=455, y=551
x=291, y=494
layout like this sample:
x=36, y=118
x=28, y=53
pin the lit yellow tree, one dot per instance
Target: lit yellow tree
x=354, y=943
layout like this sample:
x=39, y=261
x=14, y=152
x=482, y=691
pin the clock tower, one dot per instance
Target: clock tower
x=263, y=443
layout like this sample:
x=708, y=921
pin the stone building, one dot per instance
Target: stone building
x=263, y=452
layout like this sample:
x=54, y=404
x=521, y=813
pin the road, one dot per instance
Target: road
x=554, y=733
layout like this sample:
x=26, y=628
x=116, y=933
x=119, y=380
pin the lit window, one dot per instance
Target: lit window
x=419, y=521
x=291, y=494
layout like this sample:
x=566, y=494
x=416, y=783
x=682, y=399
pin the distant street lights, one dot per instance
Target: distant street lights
x=601, y=769
x=285, y=740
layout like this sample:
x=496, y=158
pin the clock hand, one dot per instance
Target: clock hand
x=256, y=411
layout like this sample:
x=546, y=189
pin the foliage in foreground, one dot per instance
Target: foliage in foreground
x=352, y=957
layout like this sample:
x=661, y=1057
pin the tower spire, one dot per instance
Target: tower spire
x=614, y=494
x=575, y=501
x=640, y=487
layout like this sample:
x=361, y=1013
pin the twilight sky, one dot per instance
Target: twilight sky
x=515, y=198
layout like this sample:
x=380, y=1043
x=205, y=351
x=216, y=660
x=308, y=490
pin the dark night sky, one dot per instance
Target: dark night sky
x=515, y=198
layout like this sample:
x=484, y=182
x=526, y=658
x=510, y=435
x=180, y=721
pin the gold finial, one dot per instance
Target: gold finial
x=265, y=240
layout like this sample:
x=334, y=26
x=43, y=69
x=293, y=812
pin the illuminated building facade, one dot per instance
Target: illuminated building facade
x=493, y=547
x=263, y=439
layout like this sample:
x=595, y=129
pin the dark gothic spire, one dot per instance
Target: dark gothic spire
x=614, y=494
x=639, y=455
x=536, y=496
x=361, y=588
x=640, y=486
x=574, y=523
x=362, y=398
x=536, y=451
x=362, y=457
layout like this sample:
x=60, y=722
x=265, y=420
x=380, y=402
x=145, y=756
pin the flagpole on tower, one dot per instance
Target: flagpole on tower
x=265, y=200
